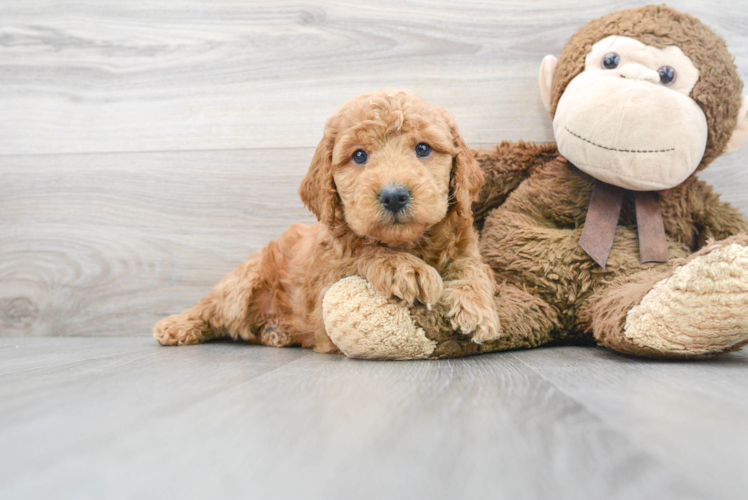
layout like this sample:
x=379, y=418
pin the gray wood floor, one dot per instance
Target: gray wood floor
x=125, y=418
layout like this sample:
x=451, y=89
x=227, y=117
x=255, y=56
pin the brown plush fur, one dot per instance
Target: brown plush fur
x=534, y=204
x=427, y=252
x=533, y=238
x=550, y=290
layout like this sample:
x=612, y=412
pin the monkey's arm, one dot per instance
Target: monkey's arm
x=713, y=217
x=505, y=167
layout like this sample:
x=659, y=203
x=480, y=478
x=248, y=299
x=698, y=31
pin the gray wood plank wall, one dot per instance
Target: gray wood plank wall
x=147, y=147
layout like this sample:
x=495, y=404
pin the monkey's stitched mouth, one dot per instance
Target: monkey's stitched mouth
x=619, y=150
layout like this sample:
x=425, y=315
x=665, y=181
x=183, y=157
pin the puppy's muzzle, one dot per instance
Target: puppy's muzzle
x=394, y=198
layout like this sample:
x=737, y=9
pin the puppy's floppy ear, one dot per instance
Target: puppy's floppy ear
x=467, y=177
x=318, y=191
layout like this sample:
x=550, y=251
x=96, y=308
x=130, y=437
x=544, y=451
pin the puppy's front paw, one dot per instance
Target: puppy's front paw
x=430, y=284
x=473, y=312
x=408, y=278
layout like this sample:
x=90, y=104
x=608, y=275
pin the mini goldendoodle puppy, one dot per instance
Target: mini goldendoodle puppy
x=391, y=183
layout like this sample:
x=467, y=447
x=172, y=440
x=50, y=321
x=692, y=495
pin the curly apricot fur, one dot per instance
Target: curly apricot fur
x=427, y=253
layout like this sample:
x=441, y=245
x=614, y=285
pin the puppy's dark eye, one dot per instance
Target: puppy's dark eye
x=667, y=75
x=423, y=150
x=360, y=157
x=611, y=60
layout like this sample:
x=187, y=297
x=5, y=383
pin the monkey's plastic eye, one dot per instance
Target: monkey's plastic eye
x=667, y=75
x=611, y=60
x=423, y=150
x=360, y=157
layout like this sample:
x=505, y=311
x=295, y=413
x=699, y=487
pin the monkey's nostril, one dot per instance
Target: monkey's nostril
x=394, y=198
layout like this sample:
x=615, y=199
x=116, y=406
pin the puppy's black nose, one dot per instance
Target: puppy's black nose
x=394, y=198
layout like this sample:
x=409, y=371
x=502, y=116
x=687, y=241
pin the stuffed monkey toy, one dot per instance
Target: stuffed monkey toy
x=607, y=235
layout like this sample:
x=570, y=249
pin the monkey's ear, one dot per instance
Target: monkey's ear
x=740, y=135
x=547, y=68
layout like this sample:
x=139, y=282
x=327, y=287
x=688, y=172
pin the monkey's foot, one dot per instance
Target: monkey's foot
x=701, y=309
x=362, y=323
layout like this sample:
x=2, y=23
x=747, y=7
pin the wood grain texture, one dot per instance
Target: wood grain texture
x=91, y=76
x=146, y=148
x=107, y=244
x=232, y=420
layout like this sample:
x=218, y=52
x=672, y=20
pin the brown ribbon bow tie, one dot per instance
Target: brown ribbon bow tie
x=602, y=220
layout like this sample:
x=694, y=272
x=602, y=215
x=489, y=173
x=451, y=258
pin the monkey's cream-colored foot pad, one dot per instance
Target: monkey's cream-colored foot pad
x=362, y=323
x=701, y=309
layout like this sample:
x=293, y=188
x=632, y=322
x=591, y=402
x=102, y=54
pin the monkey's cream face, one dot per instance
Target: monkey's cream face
x=628, y=120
